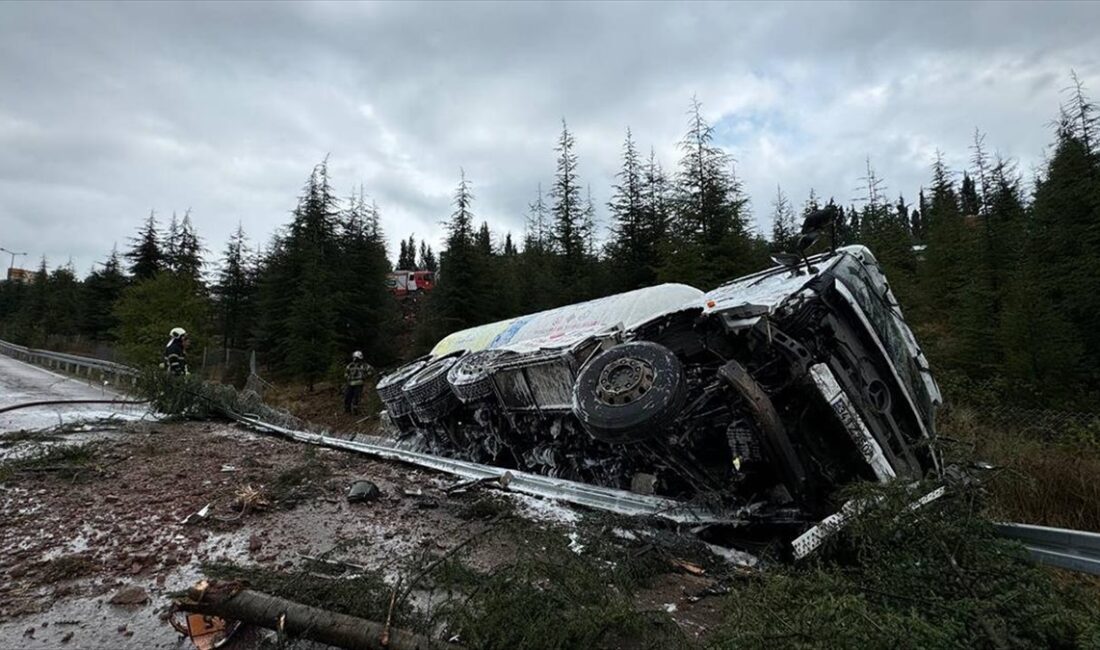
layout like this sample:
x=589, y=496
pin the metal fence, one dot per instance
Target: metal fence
x=120, y=374
x=1074, y=550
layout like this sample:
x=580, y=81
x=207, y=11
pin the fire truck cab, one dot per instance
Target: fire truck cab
x=402, y=283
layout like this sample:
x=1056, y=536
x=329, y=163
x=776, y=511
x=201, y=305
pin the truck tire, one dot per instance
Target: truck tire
x=430, y=383
x=630, y=393
x=389, y=387
x=470, y=377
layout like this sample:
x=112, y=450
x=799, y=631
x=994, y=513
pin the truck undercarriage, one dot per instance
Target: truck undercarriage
x=761, y=397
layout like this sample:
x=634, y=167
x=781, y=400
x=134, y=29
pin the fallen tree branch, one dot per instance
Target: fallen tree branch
x=225, y=600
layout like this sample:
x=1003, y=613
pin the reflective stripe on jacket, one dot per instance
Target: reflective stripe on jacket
x=175, y=358
x=355, y=372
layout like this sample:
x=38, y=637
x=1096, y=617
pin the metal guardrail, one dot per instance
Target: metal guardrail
x=71, y=363
x=584, y=494
x=1075, y=550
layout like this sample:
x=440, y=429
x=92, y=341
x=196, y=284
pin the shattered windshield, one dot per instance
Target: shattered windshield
x=887, y=324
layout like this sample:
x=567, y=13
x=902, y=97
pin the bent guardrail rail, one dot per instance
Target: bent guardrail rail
x=71, y=363
x=584, y=494
x=1075, y=550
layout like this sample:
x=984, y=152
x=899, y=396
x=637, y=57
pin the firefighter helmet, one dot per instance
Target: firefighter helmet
x=357, y=355
x=178, y=332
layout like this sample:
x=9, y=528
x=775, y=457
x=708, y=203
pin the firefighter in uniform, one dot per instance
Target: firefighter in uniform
x=175, y=353
x=354, y=375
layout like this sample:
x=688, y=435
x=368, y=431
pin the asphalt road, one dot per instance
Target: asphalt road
x=21, y=383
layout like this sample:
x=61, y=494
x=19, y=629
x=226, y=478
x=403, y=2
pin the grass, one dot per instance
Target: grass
x=301, y=481
x=67, y=567
x=1049, y=478
x=936, y=577
x=546, y=595
x=65, y=461
x=487, y=506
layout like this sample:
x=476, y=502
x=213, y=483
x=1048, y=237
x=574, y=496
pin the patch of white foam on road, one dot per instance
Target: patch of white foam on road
x=546, y=510
x=21, y=383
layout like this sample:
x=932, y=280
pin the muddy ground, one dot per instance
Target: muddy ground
x=107, y=522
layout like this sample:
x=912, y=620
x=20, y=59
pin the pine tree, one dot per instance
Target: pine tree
x=784, y=228
x=171, y=241
x=630, y=251
x=969, y=202
x=306, y=254
x=188, y=261
x=235, y=291
x=537, y=234
x=484, y=240
x=711, y=241
x=459, y=299
x=407, y=260
x=536, y=273
x=102, y=288
x=366, y=312
x=146, y=258
x=427, y=258
x=1081, y=115
x=62, y=299
x=403, y=255
x=568, y=218
x=885, y=230
x=1065, y=235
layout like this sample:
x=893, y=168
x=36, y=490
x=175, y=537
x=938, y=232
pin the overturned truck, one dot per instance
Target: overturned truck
x=760, y=397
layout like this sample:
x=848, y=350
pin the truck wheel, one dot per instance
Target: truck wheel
x=430, y=383
x=469, y=377
x=389, y=387
x=629, y=393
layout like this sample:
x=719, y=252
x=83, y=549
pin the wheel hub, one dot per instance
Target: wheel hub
x=624, y=381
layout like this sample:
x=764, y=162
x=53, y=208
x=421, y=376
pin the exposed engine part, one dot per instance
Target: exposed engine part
x=776, y=440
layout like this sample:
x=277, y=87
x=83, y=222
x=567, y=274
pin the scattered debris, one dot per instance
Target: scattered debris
x=249, y=498
x=463, y=486
x=196, y=517
x=693, y=569
x=643, y=483
x=363, y=491
x=130, y=595
x=735, y=557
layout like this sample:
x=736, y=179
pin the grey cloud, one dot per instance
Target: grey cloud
x=109, y=110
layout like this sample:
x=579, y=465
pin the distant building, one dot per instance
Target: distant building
x=20, y=275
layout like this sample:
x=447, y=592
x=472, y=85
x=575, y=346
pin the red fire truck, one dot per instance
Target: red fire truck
x=403, y=283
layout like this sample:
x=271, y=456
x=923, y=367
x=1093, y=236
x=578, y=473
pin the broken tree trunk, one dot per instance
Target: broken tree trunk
x=225, y=600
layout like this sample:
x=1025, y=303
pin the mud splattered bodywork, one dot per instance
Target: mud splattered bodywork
x=761, y=397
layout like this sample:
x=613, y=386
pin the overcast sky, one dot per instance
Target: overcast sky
x=108, y=111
